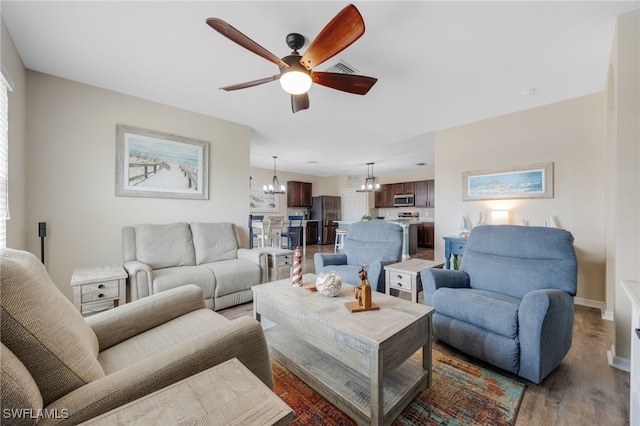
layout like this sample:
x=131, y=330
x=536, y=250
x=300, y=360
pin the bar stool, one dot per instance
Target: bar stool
x=340, y=234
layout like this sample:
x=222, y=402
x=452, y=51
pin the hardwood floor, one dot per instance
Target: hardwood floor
x=583, y=390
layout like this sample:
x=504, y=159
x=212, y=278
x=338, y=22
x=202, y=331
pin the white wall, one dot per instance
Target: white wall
x=70, y=177
x=571, y=134
x=623, y=179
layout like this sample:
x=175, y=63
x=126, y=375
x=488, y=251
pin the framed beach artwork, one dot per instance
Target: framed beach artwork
x=526, y=181
x=155, y=164
x=259, y=202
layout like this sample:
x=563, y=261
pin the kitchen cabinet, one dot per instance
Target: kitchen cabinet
x=384, y=197
x=404, y=188
x=298, y=194
x=425, y=193
x=426, y=234
x=312, y=232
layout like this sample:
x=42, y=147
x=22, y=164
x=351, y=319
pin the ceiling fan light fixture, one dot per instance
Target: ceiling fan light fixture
x=295, y=82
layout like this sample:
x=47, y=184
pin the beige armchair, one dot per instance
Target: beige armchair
x=58, y=367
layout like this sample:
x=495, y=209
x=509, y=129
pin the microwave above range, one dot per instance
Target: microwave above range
x=404, y=200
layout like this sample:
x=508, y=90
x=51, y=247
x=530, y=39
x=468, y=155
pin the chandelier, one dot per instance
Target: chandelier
x=274, y=187
x=370, y=184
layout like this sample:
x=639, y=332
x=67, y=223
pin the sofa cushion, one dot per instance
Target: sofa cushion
x=214, y=242
x=43, y=328
x=494, y=312
x=19, y=391
x=169, y=278
x=234, y=275
x=165, y=246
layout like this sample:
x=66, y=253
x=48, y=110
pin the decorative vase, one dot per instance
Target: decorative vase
x=329, y=284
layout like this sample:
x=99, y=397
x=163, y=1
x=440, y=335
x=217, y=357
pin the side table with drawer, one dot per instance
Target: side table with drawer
x=97, y=285
x=280, y=262
x=405, y=276
x=453, y=246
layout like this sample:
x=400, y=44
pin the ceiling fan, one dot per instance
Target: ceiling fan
x=296, y=74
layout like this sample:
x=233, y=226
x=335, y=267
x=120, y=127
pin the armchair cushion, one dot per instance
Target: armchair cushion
x=18, y=387
x=164, y=246
x=43, y=328
x=214, y=242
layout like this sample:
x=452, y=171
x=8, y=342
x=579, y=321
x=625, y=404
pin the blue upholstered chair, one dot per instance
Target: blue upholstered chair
x=373, y=244
x=511, y=302
x=293, y=234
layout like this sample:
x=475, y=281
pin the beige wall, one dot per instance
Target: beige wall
x=571, y=134
x=71, y=172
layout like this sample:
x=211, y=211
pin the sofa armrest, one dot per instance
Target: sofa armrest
x=116, y=325
x=259, y=257
x=545, y=332
x=325, y=259
x=241, y=338
x=435, y=278
x=140, y=280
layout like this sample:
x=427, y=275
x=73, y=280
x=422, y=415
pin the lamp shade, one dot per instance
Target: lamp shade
x=295, y=82
x=500, y=217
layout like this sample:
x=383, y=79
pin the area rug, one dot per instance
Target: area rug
x=460, y=394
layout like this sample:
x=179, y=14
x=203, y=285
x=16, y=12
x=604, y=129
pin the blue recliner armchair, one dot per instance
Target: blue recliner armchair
x=369, y=243
x=511, y=302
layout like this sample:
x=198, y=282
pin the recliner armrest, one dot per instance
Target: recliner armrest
x=116, y=325
x=324, y=259
x=435, y=278
x=241, y=338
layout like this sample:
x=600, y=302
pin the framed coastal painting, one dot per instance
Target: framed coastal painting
x=525, y=181
x=259, y=202
x=155, y=164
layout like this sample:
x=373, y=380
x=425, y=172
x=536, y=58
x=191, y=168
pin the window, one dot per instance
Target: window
x=4, y=160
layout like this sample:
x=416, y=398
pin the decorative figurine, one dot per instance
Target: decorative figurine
x=362, y=294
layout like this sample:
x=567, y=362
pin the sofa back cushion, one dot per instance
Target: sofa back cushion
x=368, y=241
x=165, y=246
x=214, y=242
x=515, y=260
x=43, y=329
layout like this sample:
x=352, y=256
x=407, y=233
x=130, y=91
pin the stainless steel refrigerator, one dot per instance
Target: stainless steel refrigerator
x=326, y=210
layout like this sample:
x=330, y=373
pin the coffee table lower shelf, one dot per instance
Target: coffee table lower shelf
x=341, y=385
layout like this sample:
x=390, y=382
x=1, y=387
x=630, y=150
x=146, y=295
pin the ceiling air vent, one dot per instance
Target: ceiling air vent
x=340, y=67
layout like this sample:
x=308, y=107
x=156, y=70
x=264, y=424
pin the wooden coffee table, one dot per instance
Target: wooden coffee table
x=358, y=361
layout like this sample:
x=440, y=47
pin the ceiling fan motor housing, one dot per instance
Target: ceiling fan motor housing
x=295, y=41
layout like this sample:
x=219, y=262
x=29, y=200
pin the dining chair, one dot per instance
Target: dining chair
x=294, y=231
x=257, y=230
x=274, y=230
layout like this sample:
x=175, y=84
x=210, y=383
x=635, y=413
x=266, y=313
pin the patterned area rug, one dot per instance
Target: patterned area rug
x=460, y=394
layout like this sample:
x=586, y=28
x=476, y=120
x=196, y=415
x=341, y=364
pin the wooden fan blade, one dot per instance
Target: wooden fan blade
x=351, y=83
x=236, y=36
x=345, y=28
x=251, y=83
x=299, y=102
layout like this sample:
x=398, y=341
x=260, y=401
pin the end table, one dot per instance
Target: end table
x=405, y=276
x=101, y=284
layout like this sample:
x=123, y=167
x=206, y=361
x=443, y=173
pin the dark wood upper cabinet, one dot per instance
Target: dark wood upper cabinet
x=384, y=197
x=299, y=194
x=404, y=188
x=425, y=191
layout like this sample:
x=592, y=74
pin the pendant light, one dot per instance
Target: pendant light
x=370, y=184
x=274, y=187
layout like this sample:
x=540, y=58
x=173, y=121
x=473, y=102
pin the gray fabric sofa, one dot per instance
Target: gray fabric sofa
x=166, y=256
x=374, y=244
x=511, y=302
x=58, y=367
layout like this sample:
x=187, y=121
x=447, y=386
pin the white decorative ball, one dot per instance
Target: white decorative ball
x=328, y=284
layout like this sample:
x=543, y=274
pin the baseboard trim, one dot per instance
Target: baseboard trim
x=617, y=362
x=606, y=315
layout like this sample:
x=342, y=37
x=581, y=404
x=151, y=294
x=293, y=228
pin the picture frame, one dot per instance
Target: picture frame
x=160, y=165
x=515, y=182
x=259, y=202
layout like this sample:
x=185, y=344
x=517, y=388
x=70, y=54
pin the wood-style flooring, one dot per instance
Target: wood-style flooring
x=583, y=390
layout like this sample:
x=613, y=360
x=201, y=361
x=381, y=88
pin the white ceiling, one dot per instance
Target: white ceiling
x=438, y=64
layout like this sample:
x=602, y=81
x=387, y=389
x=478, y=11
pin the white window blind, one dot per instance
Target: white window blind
x=4, y=160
